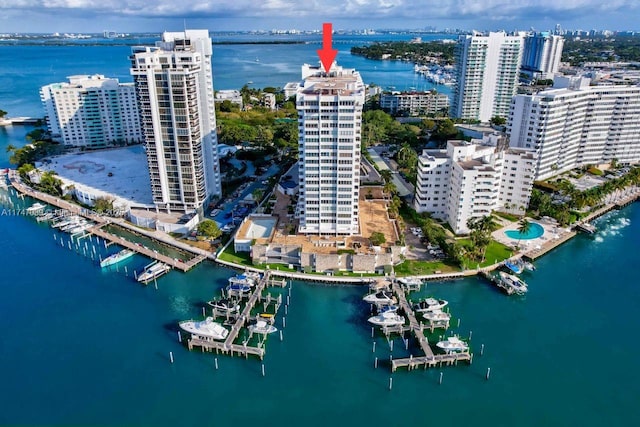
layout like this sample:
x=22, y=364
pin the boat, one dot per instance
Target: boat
x=511, y=283
x=248, y=279
x=513, y=266
x=79, y=228
x=453, y=344
x=430, y=304
x=436, y=316
x=410, y=281
x=117, y=257
x=238, y=289
x=66, y=221
x=387, y=307
x=35, y=208
x=225, y=305
x=381, y=297
x=153, y=271
x=527, y=265
x=262, y=327
x=206, y=329
x=388, y=318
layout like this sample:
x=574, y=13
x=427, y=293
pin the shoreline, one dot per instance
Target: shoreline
x=23, y=189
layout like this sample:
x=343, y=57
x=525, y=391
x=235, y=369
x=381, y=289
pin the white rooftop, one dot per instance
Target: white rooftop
x=89, y=171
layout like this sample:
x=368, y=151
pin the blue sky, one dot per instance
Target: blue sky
x=159, y=15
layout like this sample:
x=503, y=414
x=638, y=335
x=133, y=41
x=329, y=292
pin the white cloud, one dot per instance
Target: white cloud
x=355, y=11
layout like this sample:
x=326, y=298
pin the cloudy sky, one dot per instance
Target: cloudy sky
x=158, y=15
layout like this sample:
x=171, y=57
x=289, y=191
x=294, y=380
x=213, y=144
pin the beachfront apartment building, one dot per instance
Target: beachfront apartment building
x=487, y=75
x=542, y=54
x=329, y=122
x=414, y=103
x=473, y=179
x=174, y=87
x=575, y=125
x=91, y=111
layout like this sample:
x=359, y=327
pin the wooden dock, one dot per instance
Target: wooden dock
x=429, y=359
x=227, y=346
x=102, y=221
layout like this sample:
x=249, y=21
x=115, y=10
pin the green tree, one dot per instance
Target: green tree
x=2, y=114
x=209, y=229
x=524, y=226
x=445, y=130
x=498, y=121
x=377, y=238
x=103, y=205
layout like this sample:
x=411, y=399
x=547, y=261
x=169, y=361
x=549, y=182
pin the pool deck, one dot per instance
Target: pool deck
x=552, y=233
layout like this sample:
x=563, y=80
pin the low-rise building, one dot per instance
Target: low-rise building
x=472, y=179
x=414, y=103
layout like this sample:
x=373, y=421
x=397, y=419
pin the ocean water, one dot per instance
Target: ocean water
x=83, y=346
x=26, y=68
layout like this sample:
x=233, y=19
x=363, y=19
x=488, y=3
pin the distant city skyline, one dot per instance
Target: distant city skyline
x=140, y=16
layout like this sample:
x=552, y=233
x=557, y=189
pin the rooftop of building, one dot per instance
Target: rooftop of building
x=121, y=173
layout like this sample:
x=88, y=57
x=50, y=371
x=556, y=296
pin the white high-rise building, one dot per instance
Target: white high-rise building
x=542, y=54
x=330, y=118
x=174, y=85
x=92, y=111
x=487, y=73
x=471, y=180
x=574, y=125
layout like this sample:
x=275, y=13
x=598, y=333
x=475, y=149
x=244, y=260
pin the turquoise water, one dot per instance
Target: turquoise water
x=535, y=231
x=88, y=346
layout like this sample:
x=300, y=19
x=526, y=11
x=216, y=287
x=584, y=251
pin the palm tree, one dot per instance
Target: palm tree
x=523, y=228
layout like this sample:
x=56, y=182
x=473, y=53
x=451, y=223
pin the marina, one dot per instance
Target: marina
x=242, y=321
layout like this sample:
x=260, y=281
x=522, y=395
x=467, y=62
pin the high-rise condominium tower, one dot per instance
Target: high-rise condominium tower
x=174, y=86
x=330, y=117
x=487, y=72
x=92, y=111
x=542, y=54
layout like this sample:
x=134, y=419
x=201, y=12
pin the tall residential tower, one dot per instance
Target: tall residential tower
x=174, y=86
x=542, y=54
x=330, y=117
x=487, y=72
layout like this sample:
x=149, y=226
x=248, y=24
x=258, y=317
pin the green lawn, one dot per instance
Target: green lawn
x=421, y=268
x=230, y=255
x=496, y=252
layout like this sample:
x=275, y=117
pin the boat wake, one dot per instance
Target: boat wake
x=612, y=228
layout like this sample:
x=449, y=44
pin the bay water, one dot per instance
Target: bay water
x=88, y=346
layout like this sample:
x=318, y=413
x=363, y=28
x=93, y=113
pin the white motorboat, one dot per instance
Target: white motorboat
x=388, y=318
x=262, y=327
x=66, y=221
x=248, y=279
x=153, y=271
x=381, y=297
x=436, y=316
x=387, y=307
x=430, y=304
x=36, y=208
x=453, y=344
x=225, y=305
x=117, y=257
x=512, y=284
x=206, y=329
x=410, y=281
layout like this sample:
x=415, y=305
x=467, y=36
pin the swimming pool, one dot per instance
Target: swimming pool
x=535, y=231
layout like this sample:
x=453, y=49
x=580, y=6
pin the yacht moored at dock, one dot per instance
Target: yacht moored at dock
x=453, y=344
x=153, y=271
x=206, y=329
x=117, y=257
x=388, y=318
x=36, y=208
x=436, y=316
x=378, y=298
x=430, y=304
x=511, y=283
x=225, y=305
x=262, y=327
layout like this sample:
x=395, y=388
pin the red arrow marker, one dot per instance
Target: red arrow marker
x=327, y=54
